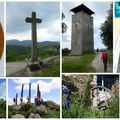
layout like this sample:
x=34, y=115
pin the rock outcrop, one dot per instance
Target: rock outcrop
x=18, y=116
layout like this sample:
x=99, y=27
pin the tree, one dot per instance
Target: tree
x=107, y=29
x=64, y=26
x=65, y=51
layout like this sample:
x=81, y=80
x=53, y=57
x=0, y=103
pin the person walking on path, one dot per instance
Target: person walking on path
x=104, y=58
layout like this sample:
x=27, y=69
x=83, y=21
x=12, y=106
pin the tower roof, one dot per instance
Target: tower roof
x=82, y=7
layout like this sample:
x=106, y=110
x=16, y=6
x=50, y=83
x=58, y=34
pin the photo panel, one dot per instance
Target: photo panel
x=33, y=98
x=90, y=96
x=33, y=39
x=117, y=36
x=87, y=39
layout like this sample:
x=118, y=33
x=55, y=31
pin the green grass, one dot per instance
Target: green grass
x=110, y=57
x=80, y=110
x=2, y=108
x=78, y=63
x=52, y=70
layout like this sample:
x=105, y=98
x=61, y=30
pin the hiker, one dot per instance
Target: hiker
x=97, y=50
x=104, y=58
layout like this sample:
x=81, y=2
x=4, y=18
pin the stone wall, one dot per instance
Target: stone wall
x=82, y=33
x=78, y=80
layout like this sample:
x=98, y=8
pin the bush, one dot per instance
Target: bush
x=25, y=107
x=113, y=111
x=2, y=108
x=65, y=51
x=52, y=105
x=41, y=110
x=52, y=114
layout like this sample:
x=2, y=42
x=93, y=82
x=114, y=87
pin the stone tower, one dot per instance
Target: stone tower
x=82, y=30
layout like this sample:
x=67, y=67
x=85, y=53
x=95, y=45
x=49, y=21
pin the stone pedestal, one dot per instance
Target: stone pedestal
x=34, y=65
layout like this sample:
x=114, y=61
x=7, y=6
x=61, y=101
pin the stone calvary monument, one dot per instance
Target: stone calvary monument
x=82, y=40
x=33, y=21
x=33, y=63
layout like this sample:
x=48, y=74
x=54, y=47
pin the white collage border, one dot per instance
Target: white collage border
x=59, y=78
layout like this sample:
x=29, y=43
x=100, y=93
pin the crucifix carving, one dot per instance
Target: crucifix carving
x=33, y=20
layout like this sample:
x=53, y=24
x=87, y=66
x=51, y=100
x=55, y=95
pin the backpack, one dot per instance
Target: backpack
x=104, y=55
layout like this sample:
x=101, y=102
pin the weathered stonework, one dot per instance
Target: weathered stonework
x=78, y=80
x=82, y=40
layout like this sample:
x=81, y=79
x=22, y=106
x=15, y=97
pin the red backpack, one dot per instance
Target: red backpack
x=104, y=55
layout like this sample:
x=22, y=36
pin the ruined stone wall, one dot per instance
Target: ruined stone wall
x=78, y=80
x=115, y=87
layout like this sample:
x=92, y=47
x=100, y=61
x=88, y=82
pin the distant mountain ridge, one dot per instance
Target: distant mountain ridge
x=28, y=42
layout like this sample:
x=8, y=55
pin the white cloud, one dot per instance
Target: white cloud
x=43, y=34
x=21, y=81
x=98, y=7
x=45, y=87
x=55, y=100
x=10, y=100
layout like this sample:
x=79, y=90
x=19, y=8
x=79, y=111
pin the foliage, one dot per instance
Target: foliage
x=51, y=105
x=107, y=29
x=49, y=110
x=86, y=96
x=52, y=70
x=110, y=57
x=52, y=114
x=25, y=107
x=81, y=106
x=113, y=111
x=11, y=111
x=41, y=111
x=64, y=26
x=78, y=63
x=65, y=51
x=19, y=53
x=2, y=108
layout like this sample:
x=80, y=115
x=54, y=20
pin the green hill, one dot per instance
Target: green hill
x=29, y=42
x=19, y=53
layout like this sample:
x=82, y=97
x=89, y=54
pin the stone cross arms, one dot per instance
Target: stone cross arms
x=33, y=20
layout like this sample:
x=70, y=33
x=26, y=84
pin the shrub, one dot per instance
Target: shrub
x=42, y=110
x=65, y=51
x=26, y=107
x=2, y=108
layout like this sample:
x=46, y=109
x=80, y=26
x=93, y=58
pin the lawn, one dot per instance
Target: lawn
x=110, y=57
x=52, y=70
x=78, y=63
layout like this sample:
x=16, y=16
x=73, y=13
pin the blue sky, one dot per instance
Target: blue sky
x=50, y=89
x=17, y=28
x=100, y=9
x=3, y=88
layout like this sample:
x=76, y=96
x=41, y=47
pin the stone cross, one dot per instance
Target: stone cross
x=33, y=20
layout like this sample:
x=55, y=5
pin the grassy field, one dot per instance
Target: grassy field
x=110, y=57
x=78, y=63
x=53, y=70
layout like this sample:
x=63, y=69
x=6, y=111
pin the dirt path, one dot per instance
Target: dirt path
x=13, y=67
x=98, y=64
